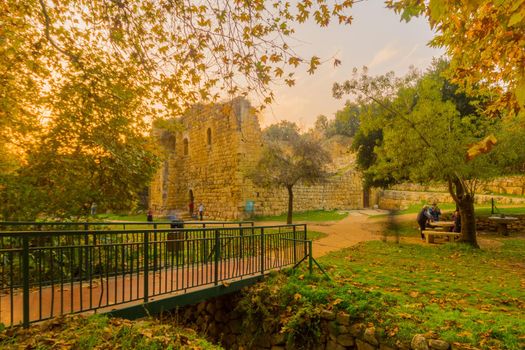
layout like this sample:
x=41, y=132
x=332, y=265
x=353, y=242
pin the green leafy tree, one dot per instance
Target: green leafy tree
x=93, y=150
x=289, y=158
x=346, y=121
x=426, y=138
x=484, y=40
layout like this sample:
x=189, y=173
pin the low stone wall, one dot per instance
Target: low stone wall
x=220, y=321
x=514, y=185
x=394, y=200
x=483, y=223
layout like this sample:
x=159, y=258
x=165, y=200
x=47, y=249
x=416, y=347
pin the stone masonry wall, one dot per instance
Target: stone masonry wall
x=210, y=156
x=393, y=199
x=220, y=321
x=510, y=185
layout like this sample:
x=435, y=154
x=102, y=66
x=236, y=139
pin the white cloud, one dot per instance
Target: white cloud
x=385, y=54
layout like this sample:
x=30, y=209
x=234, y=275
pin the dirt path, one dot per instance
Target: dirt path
x=358, y=226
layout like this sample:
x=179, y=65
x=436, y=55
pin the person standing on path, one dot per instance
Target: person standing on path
x=201, y=210
x=93, y=208
x=150, y=216
x=423, y=219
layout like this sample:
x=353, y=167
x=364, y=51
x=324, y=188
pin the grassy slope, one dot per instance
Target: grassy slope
x=99, y=332
x=466, y=295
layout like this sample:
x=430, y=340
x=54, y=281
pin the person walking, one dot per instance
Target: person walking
x=423, y=219
x=150, y=216
x=93, y=208
x=201, y=211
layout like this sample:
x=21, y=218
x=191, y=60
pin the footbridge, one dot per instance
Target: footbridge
x=133, y=269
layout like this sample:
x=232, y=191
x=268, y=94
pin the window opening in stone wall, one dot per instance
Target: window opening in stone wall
x=186, y=147
x=167, y=140
x=208, y=136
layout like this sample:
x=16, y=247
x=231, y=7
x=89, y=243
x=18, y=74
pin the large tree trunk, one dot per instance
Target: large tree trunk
x=465, y=203
x=290, y=204
x=468, y=220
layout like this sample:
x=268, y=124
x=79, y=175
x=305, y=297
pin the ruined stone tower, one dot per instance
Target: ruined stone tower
x=208, y=158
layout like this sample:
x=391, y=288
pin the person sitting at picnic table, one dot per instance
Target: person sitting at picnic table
x=435, y=212
x=423, y=219
x=456, y=217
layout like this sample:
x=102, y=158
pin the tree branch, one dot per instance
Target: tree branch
x=47, y=23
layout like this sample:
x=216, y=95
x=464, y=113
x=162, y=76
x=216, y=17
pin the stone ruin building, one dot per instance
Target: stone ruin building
x=208, y=158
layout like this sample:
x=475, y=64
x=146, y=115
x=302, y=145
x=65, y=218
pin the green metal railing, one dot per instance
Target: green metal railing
x=123, y=225
x=44, y=274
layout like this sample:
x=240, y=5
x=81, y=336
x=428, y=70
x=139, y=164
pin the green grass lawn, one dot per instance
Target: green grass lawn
x=315, y=235
x=468, y=296
x=311, y=215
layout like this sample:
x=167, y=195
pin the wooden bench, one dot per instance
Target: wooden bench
x=430, y=234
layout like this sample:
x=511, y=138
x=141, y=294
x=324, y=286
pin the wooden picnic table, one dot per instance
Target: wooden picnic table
x=443, y=224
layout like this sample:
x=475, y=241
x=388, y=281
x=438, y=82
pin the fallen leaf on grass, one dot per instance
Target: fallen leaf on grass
x=392, y=332
x=414, y=294
x=336, y=301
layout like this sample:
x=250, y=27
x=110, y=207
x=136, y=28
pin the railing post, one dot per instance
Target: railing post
x=241, y=231
x=146, y=267
x=86, y=242
x=294, y=245
x=155, y=247
x=262, y=251
x=217, y=255
x=25, y=276
x=310, y=257
x=305, y=238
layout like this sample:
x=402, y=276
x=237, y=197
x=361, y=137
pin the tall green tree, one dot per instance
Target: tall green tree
x=426, y=138
x=289, y=158
x=346, y=121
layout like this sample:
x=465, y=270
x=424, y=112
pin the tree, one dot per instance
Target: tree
x=484, y=40
x=426, y=138
x=289, y=158
x=94, y=149
x=346, y=121
x=69, y=68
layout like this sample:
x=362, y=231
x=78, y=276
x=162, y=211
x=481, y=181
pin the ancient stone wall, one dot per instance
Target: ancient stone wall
x=508, y=185
x=210, y=156
x=393, y=199
x=204, y=162
x=221, y=322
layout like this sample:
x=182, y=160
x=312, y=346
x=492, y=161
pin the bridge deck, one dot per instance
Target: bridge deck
x=121, y=291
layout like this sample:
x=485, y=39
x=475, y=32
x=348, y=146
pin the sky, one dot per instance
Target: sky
x=376, y=39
